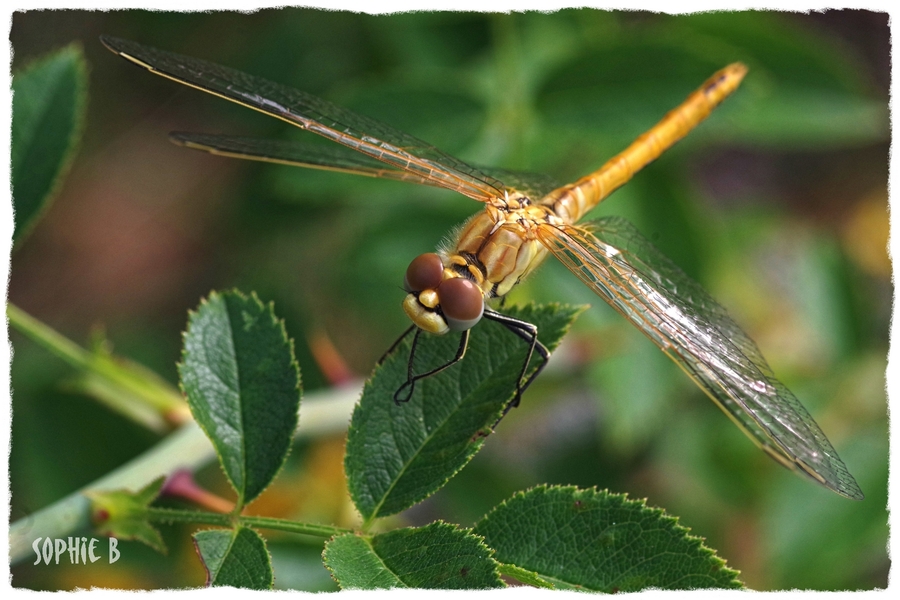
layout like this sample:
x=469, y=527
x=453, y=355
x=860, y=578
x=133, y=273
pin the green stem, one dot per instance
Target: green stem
x=61, y=346
x=325, y=531
x=321, y=413
x=170, y=515
x=124, y=386
x=173, y=515
x=527, y=577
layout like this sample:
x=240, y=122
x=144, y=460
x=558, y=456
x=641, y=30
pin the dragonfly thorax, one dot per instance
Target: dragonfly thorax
x=512, y=201
x=441, y=298
x=500, y=246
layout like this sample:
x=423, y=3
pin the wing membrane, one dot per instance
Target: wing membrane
x=340, y=158
x=363, y=134
x=295, y=153
x=627, y=271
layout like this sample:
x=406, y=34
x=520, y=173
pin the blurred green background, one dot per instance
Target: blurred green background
x=778, y=205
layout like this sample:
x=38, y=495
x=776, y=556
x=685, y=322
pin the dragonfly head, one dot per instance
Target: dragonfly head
x=439, y=300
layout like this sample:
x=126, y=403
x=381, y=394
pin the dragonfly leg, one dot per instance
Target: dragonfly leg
x=394, y=345
x=410, y=379
x=528, y=332
x=403, y=396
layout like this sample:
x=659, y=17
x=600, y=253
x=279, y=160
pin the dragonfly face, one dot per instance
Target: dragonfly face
x=526, y=217
x=492, y=252
x=440, y=299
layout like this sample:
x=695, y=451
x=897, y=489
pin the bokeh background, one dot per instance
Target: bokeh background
x=778, y=205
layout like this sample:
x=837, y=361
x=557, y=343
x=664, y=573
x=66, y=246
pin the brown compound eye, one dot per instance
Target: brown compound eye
x=425, y=272
x=461, y=302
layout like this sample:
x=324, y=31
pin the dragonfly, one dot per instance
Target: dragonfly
x=525, y=218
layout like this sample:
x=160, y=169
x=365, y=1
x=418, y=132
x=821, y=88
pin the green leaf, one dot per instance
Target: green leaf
x=49, y=100
x=354, y=564
x=790, y=116
x=122, y=514
x=807, y=56
x=399, y=455
x=438, y=556
x=243, y=386
x=593, y=540
x=641, y=80
x=235, y=557
x=803, y=91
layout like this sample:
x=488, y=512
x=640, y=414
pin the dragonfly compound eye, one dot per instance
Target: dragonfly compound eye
x=461, y=302
x=425, y=272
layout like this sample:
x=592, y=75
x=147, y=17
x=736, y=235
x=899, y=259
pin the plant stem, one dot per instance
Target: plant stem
x=321, y=413
x=126, y=387
x=326, y=531
x=523, y=575
x=59, y=345
x=172, y=515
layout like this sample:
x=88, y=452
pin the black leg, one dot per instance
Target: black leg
x=400, y=395
x=528, y=332
x=395, y=344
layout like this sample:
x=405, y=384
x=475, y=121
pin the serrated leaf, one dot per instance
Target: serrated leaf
x=354, y=564
x=594, y=540
x=49, y=101
x=243, y=386
x=437, y=556
x=235, y=557
x=122, y=514
x=399, y=455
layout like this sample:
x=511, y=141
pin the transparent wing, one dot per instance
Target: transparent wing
x=300, y=154
x=627, y=271
x=363, y=134
x=340, y=158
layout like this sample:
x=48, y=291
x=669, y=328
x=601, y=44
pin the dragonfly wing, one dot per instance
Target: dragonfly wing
x=363, y=134
x=340, y=158
x=289, y=152
x=636, y=279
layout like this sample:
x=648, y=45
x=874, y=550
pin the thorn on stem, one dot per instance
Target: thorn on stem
x=181, y=484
